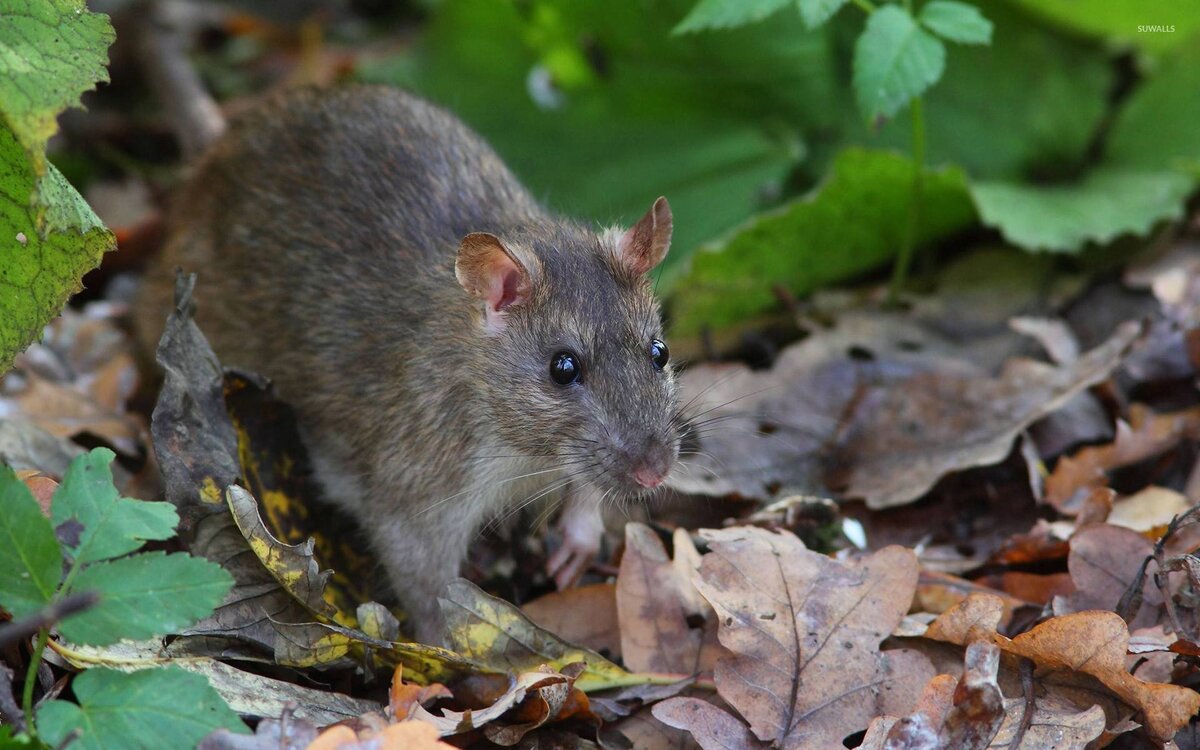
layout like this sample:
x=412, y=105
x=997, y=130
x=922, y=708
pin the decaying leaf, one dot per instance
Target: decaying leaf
x=544, y=691
x=1080, y=658
x=665, y=625
x=585, y=615
x=712, y=727
x=804, y=630
x=1146, y=434
x=407, y=735
x=495, y=633
x=1105, y=562
x=877, y=408
x=246, y=693
x=971, y=714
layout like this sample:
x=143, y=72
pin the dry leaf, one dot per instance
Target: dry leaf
x=1104, y=562
x=804, y=632
x=494, y=633
x=1066, y=649
x=404, y=697
x=407, y=735
x=586, y=615
x=713, y=728
x=1146, y=434
x=657, y=604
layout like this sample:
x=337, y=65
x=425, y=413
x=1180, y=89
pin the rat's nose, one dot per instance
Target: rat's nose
x=648, y=477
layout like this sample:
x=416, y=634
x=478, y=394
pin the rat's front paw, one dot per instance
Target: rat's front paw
x=582, y=529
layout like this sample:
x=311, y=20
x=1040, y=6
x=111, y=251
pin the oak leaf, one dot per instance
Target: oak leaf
x=804, y=631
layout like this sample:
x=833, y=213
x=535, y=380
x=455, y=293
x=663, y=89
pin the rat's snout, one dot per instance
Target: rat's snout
x=652, y=464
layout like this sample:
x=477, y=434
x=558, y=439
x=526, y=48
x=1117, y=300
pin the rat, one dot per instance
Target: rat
x=453, y=350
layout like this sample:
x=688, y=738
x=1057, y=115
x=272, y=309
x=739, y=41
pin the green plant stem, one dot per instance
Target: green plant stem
x=35, y=661
x=900, y=270
x=867, y=6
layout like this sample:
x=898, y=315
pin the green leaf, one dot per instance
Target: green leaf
x=895, y=60
x=1156, y=26
x=1030, y=103
x=817, y=12
x=145, y=595
x=112, y=525
x=712, y=121
x=51, y=51
x=151, y=709
x=38, y=272
x=727, y=14
x=1158, y=126
x=30, y=558
x=1063, y=218
x=956, y=22
x=851, y=223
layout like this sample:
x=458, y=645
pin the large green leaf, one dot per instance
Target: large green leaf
x=1064, y=218
x=709, y=120
x=1154, y=25
x=727, y=14
x=112, y=525
x=39, y=271
x=30, y=558
x=1149, y=169
x=151, y=709
x=51, y=51
x=1159, y=127
x=895, y=60
x=852, y=223
x=149, y=594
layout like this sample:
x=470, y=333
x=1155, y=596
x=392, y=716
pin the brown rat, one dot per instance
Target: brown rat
x=452, y=348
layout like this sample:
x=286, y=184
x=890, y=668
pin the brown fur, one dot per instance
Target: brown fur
x=324, y=227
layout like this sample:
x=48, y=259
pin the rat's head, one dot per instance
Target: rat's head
x=575, y=365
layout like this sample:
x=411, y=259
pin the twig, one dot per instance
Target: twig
x=1026, y=670
x=19, y=630
x=161, y=50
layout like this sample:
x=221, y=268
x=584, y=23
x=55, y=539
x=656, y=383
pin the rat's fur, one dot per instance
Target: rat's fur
x=324, y=227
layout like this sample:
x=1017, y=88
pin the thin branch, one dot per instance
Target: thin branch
x=19, y=630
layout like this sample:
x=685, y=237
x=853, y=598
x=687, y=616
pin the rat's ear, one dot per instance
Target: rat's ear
x=645, y=244
x=489, y=271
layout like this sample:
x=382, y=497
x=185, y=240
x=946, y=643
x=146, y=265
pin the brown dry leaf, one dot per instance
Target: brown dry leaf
x=1068, y=648
x=804, y=631
x=547, y=689
x=41, y=486
x=971, y=714
x=712, y=727
x=586, y=615
x=877, y=407
x=1104, y=562
x=902, y=439
x=407, y=735
x=644, y=732
x=404, y=697
x=1149, y=509
x=1146, y=434
x=657, y=601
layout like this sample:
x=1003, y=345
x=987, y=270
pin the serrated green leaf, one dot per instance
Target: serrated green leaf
x=152, y=709
x=1063, y=218
x=727, y=14
x=895, y=60
x=30, y=558
x=1029, y=103
x=956, y=22
x=851, y=223
x=149, y=594
x=51, y=51
x=112, y=525
x=817, y=12
x=38, y=272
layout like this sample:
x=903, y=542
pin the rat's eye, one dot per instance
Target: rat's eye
x=659, y=354
x=565, y=369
